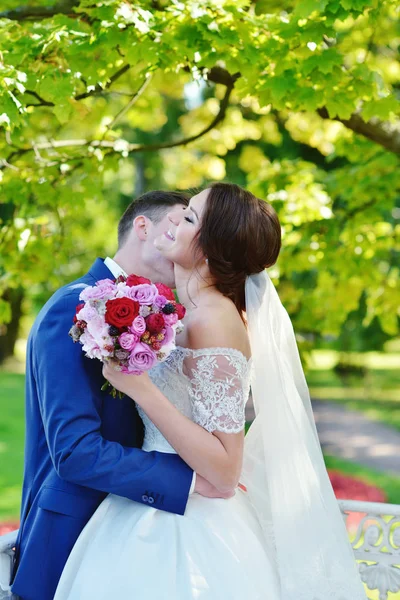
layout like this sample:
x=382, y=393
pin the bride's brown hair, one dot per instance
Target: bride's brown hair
x=240, y=235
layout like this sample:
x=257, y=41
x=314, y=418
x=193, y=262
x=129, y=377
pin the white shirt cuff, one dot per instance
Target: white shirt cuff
x=193, y=484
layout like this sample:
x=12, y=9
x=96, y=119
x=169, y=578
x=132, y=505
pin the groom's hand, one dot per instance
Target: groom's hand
x=205, y=488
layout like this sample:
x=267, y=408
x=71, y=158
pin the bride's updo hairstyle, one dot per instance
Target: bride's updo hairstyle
x=240, y=235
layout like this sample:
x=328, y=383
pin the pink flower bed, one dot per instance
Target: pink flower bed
x=8, y=526
x=350, y=488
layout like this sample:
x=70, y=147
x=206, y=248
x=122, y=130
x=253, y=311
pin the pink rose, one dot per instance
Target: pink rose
x=144, y=293
x=103, y=288
x=87, y=313
x=138, y=326
x=142, y=358
x=128, y=340
x=89, y=345
x=171, y=319
x=98, y=330
x=160, y=301
x=106, y=284
x=169, y=336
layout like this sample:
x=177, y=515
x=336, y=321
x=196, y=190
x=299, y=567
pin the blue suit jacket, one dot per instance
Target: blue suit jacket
x=81, y=444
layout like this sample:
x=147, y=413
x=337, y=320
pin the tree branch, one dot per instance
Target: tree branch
x=217, y=75
x=381, y=132
x=36, y=13
x=128, y=106
x=98, y=89
x=349, y=214
x=42, y=101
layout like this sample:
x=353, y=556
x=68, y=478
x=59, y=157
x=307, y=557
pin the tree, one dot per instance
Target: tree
x=296, y=100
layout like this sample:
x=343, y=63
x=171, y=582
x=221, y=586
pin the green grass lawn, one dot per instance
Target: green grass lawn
x=12, y=427
x=377, y=394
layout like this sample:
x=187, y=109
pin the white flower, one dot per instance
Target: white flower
x=144, y=311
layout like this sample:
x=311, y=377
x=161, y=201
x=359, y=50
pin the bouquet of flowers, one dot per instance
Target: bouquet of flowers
x=129, y=322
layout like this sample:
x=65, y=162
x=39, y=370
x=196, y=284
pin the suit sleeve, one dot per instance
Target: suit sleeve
x=70, y=404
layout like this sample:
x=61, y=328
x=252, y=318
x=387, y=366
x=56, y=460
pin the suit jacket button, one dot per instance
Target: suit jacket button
x=151, y=500
x=145, y=498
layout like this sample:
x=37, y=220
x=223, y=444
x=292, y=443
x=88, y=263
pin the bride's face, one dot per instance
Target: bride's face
x=184, y=223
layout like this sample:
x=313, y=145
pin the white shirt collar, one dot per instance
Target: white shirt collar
x=114, y=267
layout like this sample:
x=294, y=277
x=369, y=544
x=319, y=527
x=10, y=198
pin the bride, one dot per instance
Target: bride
x=281, y=535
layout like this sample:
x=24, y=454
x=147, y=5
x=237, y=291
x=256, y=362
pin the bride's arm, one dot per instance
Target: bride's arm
x=216, y=456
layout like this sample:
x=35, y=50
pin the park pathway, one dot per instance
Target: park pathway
x=350, y=435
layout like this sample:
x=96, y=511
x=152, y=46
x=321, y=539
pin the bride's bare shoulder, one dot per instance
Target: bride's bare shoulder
x=218, y=325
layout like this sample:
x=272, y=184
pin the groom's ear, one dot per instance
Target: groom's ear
x=140, y=226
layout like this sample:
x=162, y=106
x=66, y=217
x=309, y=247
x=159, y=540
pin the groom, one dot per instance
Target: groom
x=82, y=444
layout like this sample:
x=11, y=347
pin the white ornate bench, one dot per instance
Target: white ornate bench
x=7, y=543
x=376, y=546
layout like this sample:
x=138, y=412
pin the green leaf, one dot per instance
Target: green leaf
x=309, y=99
x=271, y=6
x=382, y=108
x=63, y=112
x=323, y=62
x=356, y=5
x=5, y=311
x=56, y=86
x=304, y=8
x=339, y=106
x=389, y=323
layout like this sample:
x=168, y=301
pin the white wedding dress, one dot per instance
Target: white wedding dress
x=217, y=550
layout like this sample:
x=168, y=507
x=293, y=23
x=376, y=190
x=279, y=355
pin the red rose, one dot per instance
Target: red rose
x=121, y=312
x=155, y=323
x=78, y=308
x=136, y=280
x=165, y=291
x=181, y=311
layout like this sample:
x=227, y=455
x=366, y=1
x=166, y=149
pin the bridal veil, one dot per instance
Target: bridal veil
x=284, y=469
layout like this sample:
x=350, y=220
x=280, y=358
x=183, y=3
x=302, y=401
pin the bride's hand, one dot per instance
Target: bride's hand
x=134, y=386
x=207, y=489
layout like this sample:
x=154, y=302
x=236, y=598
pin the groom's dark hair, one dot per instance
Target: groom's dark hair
x=152, y=205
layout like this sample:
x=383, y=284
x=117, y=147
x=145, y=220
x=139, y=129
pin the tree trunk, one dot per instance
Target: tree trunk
x=9, y=332
x=140, y=181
